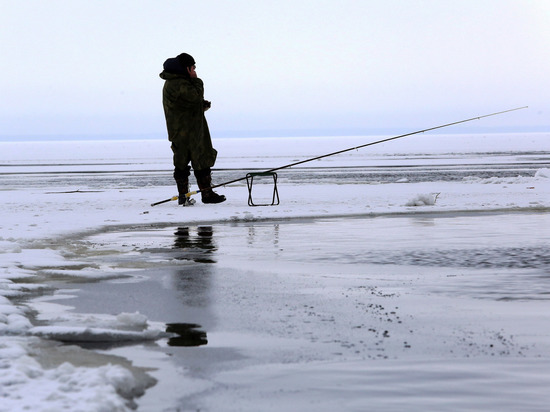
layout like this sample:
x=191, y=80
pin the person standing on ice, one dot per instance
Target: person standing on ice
x=184, y=107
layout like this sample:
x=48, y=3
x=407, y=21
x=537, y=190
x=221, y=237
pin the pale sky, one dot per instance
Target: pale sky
x=77, y=67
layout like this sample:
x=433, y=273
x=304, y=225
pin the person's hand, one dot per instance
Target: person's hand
x=206, y=105
x=192, y=72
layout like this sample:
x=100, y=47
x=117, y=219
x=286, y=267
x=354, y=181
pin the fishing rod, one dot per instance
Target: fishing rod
x=344, y=151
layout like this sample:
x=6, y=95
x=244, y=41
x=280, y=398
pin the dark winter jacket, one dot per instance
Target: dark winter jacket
x=183, y=101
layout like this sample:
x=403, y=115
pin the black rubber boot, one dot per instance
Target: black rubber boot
x=204, y=180
x=182, y=181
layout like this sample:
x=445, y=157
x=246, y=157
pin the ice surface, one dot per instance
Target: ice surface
x=80, y=211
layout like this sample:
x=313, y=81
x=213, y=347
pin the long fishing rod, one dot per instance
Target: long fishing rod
x=346, y=150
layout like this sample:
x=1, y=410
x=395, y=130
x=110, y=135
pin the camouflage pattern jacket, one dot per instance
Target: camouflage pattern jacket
x=183, y=101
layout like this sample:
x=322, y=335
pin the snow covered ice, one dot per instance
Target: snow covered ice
x=411, y=275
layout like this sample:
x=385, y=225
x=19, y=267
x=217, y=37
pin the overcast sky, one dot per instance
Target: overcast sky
x=274, y=67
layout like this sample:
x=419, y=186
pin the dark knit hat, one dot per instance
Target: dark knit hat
x=186, y=60
x=179, y=64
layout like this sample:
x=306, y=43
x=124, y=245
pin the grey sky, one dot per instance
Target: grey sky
x=91, y=67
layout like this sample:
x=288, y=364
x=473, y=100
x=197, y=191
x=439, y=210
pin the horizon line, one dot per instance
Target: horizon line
x=267, y=133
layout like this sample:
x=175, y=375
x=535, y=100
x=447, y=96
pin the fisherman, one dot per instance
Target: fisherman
x=184, y=107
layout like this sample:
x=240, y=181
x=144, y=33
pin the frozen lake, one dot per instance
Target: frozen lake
x=405, y=280
x=451, y=307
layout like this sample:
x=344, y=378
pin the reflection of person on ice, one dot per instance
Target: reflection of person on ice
x=184, y=107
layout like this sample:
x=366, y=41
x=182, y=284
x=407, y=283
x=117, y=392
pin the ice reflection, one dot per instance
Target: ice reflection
x=199, y=248
x=188, y=334
x=194, y=283
x=262, y=233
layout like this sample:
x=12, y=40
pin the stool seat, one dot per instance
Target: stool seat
x=250, y=181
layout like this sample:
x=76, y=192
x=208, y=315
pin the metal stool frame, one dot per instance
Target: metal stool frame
x=250, y=181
